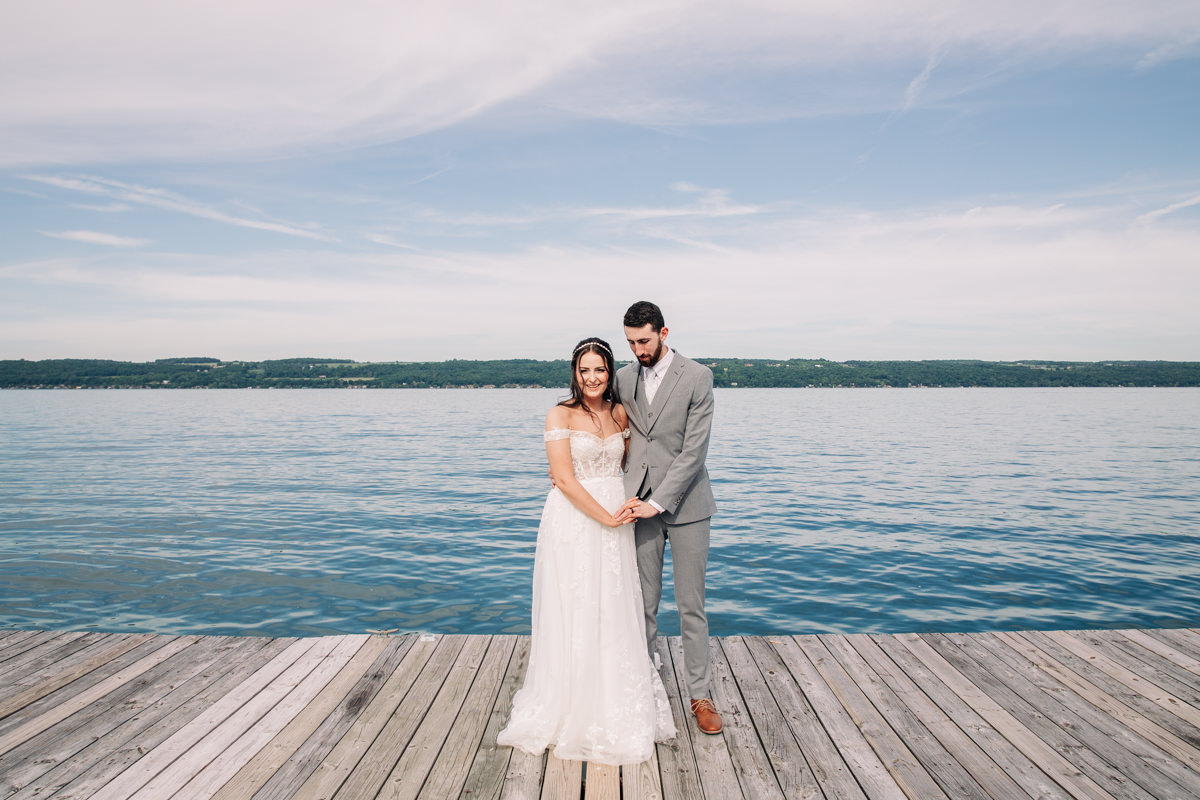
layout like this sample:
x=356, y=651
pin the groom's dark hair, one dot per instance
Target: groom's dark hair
x=643, y=313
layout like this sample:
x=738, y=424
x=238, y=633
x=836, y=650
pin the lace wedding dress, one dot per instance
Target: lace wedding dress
x=590, y=691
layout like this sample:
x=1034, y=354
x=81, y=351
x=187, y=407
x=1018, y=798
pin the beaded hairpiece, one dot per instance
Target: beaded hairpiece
x=589, y=344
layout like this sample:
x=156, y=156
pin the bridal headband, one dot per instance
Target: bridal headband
x=601, y=345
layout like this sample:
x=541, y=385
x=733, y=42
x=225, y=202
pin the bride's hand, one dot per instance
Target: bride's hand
x=624, y=516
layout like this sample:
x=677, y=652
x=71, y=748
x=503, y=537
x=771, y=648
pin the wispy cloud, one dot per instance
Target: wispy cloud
x=108, y=208
x=1171, y=209
x=1011, y=281
x=170, y=201
x=709, y=203
x=917, y=86
x=197, y=83
x=388, y=241
x=1186, y=47
x=95, y=237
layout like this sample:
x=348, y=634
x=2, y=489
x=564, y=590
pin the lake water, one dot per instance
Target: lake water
x=336, y=511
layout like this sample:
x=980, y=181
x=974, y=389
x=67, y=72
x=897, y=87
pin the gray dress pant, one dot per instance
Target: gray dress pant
x=689, y=561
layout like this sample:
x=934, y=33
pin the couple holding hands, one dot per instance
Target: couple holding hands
x=626, y=454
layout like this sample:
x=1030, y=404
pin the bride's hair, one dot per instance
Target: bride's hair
x=600, y=347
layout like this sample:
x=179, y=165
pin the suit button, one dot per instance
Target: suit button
x=652, y=413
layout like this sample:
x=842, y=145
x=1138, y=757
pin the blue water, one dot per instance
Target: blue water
x=336, y=511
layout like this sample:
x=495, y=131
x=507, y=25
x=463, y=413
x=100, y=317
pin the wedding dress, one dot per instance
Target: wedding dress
x=590, y=691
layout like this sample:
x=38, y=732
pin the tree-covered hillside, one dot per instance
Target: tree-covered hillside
x=186, y=373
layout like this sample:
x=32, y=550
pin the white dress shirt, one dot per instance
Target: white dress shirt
x=653, y=376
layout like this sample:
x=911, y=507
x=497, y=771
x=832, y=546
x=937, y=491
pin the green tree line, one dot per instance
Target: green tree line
x=187, y=373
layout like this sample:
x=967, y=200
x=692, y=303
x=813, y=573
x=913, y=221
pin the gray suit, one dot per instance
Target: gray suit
x=666, y=464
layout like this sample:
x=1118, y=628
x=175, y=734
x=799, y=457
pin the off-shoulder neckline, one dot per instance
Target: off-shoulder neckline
x=587, y=433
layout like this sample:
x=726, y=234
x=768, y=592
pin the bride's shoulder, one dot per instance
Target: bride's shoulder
x=618, y=412
x=558, y=417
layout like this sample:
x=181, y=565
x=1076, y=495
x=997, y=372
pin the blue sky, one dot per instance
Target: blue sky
x=786, y=179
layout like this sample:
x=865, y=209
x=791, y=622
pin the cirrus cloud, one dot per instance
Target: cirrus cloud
x=96, y=237
x=119, y=80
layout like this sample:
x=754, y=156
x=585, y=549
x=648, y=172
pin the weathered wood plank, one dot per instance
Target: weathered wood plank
x=39, y=652
x=88, y=770
x=1174, y=654
x=1111, y=687
x=676, y=759
x=265, y=717
x=1155, y=770
x=1014, y=764
x=1139, y=683
x=486, y=777
x=417, y=761
x=758, y=684
x=70, y=747
x=1102, y=698
x=333, y=715
x=96, y=764
x=642, y=781
x=22, y=642
x=142, y=771
x=331, y=773
x=602, y=782
x=525, y=776
x=448, y=774
x=870, y=772
x=1004, y=715
x=961, y=747
x=1163, y=671
x=1050, y=761
x=86, y=672
x=377, y=762
x=754, y=771
x=563, y=781
x=713, y=762
x=53, y=676
x=270, y=759
x=213, y=739
x=65, y=650
x=893, y=752
x=51, y=717
x=1180, y=638
x=1052, y=718
x=830, y=774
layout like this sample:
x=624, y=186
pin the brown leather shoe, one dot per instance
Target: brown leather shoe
x=707, y=718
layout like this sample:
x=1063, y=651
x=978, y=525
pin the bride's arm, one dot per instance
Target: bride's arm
x=559, y=454
x=622, y=420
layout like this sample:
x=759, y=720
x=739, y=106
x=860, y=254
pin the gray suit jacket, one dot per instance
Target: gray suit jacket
x=669, y=440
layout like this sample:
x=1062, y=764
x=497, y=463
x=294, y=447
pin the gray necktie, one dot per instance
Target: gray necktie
x=651, y=385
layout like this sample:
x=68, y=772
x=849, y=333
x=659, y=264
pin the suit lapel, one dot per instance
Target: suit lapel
x=665, y=387
x=635, y=398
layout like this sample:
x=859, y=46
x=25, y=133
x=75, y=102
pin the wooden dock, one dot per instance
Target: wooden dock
x=1079, y=714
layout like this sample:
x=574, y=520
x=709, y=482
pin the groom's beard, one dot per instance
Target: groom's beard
x=650, y=359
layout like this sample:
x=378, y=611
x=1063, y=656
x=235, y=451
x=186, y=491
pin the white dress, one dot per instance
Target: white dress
x=590, y=691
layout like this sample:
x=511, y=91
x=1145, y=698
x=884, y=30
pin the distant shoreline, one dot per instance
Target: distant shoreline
x=317, y=373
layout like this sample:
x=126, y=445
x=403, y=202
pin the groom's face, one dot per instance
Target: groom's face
x=647, y=345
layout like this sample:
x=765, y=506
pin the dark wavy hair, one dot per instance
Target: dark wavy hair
x=643, y=313
x=600, y=347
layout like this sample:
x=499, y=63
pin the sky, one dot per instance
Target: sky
x=399, y=181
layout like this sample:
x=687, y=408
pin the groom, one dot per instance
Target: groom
x=669, y=400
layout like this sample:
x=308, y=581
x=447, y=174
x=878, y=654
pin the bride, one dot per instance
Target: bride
x=590, y=691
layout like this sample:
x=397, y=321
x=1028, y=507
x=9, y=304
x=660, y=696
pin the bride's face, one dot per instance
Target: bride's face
x=592, y=375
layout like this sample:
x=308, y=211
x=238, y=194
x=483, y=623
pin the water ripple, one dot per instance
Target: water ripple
x=316, y=512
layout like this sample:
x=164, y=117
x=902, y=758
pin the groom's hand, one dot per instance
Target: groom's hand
x=640, y=510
